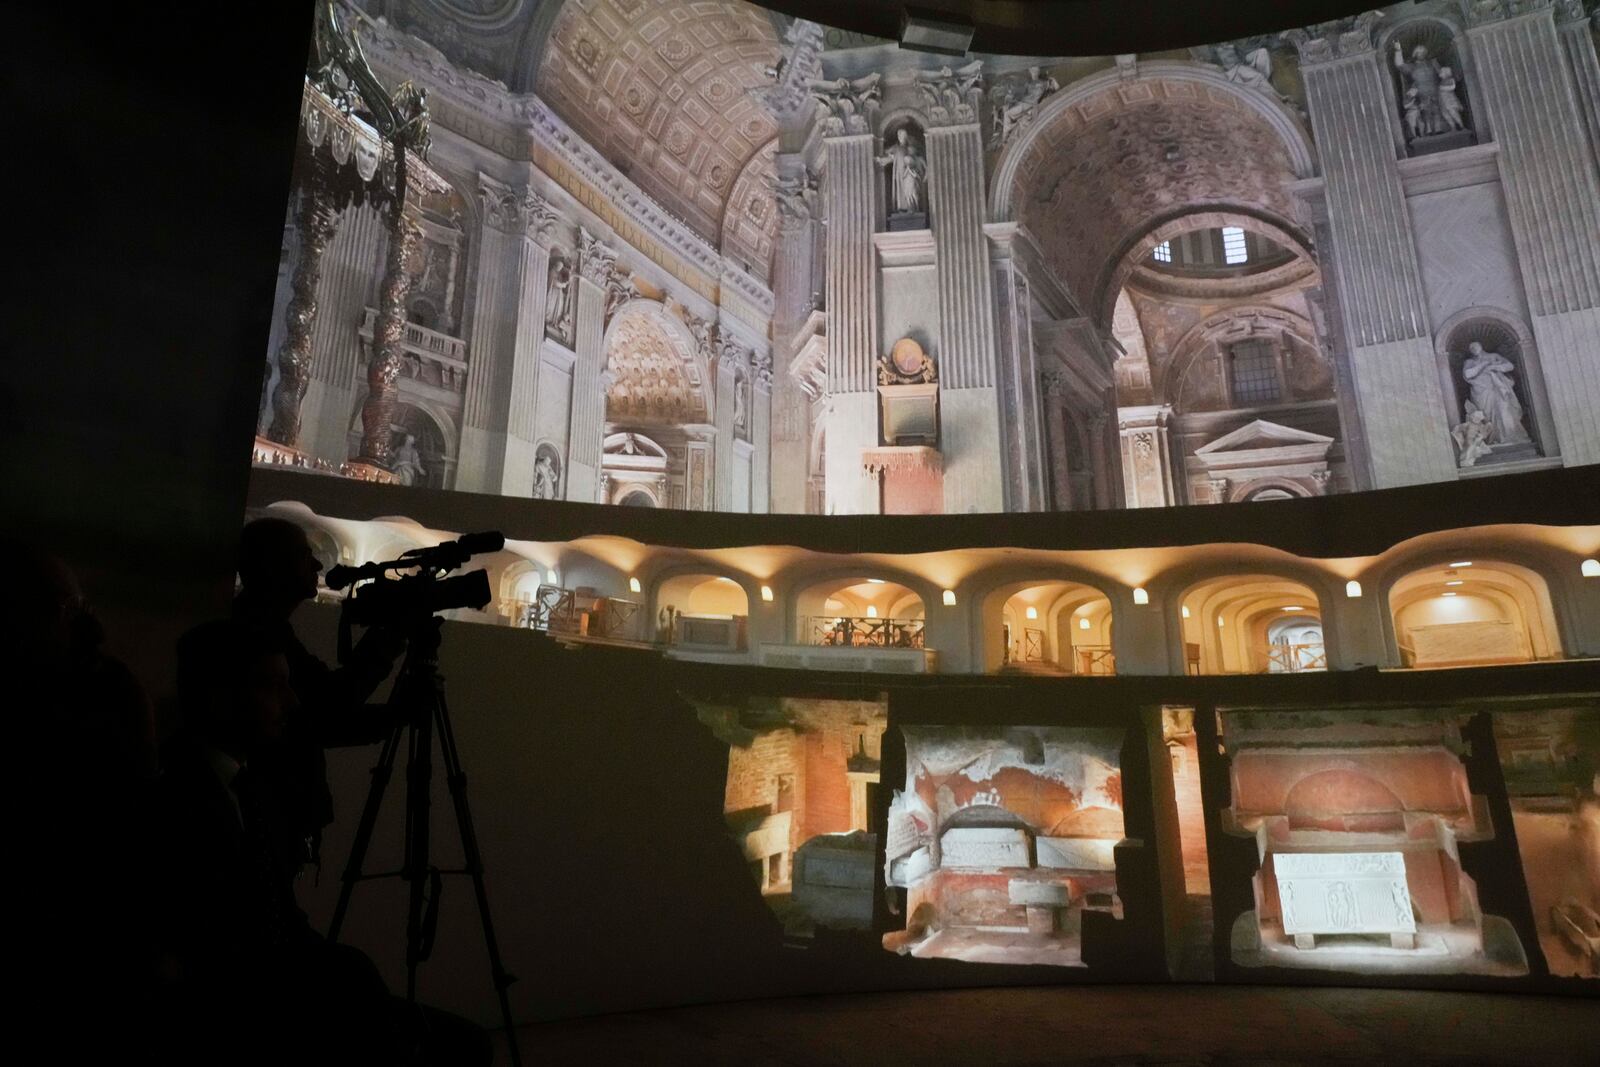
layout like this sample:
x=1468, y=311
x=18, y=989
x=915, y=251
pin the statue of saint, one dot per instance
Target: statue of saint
x=739, y=403
x=546, y=481
x=407, y=465
x=906, y=172
x=1423, y=76
x=1493, y=392
x=558, y=298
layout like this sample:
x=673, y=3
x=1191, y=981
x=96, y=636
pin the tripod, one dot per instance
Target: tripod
x=419, y=696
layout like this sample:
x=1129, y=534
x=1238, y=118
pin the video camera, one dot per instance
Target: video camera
x=379, y=597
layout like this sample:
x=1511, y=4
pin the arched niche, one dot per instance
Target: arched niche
x=1445, y=48
x=702, y=609
x=1228, y=623
x=1504, y=334
x=656, y=373
x=1047, y=625
x=889, y=146
x=859, y=610
x=1473, y=612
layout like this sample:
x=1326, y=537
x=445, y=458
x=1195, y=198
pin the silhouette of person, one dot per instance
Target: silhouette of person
x=277, y=573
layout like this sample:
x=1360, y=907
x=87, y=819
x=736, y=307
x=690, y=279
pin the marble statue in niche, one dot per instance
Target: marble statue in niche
x=1431, y=103
x=558, y=299
x=408, y=462
x=907, y=172
x=1491, y=383
x=741, y=403
x=546, y=475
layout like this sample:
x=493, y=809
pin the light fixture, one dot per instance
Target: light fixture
x=634, y=586
x=1032, y=612
x=1455, y=581
x=1352, y=589
x=1294, y=607
x=874, y=581
x=1448, y=594
x=1186, y=611
x=1591, y=568
x=766, y=593
x=1083, y=624
x=1221, y=621
x=550, y=577
x=1462, y=563
x=872, y=611
x=1140, y=596
x=949, y=598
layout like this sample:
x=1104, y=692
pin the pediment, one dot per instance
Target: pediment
x=1261, y=435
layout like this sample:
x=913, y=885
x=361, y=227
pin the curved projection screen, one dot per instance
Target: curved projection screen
x=697, y=255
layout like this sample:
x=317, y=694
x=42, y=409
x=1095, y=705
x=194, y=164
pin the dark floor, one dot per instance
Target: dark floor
x=1177, y=1025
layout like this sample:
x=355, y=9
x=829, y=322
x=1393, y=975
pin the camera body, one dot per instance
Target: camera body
x=407, y=599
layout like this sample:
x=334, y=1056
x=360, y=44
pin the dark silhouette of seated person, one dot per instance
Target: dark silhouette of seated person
x=245, y=977
x=277, y=573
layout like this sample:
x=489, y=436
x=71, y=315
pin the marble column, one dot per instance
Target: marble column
x=1100, y=457
x=315, y=220
x=1552, y=191
x=1022, y=445
x=1374, y=257
x=595, y=264
x=792, y=292
x=761, y=435
x=351, y=274
x=850, y=195
x=1578, y=39
x=970, y=415
x=388, y=340
x=1147, y=474
x=722, y=462
x=497, y=434
x=1058, y=433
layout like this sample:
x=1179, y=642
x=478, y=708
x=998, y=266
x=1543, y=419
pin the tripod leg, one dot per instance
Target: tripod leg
x=456, y=778
x=363, y=839
x=419, y=801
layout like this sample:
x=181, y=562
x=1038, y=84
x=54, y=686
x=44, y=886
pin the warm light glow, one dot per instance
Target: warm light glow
x=1352, y=588
x=1591, y=568
x=872, y=611
x=1083, y=624
x=723, y=578
x=1221, y=621
x=875, y=581
x=550, y=578
x=1456, y=581
x=1462, y=563
x=1186, y=611
x=1294, y=607
x=1140, y=596
x=634, y=586
x=766, y=593
x=949, y=598
x=1033, y=612
x=1447, y=594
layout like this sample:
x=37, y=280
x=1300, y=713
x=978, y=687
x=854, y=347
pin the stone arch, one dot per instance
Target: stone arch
x=1110, y=159
x=1324, y=800
x=808, y=593
x=1206, y=340
x=434, y=430
x=1501, y=609
x=987, y=594
x=1283, y=583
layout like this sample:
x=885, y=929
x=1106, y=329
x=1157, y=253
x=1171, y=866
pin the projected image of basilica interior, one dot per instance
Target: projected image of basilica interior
x=702, y=256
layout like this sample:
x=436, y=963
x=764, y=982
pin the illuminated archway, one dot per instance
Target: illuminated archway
x=1252, y=624
x=1050, y=626
x=702, y=610
x=860, y=611
x=1473, y=612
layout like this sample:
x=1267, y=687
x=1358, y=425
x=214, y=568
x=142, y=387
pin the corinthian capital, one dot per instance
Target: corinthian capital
x=1482, y=12
x=596, y=261
x=512, y=210
x=951, y=97
x=1327, y=41
x=846, y=107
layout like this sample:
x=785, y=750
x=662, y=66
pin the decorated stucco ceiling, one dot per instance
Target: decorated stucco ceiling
x=651, y=377
x=1105, y=171
x=662, y=89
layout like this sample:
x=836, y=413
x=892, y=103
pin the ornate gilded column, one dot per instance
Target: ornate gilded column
x=1373, y=255
x=596, y=264
x=388, y=339
x=315, y=221
x=1552, y=190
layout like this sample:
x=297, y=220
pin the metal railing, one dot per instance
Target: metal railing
x=1293, y=659
x=1095, y=659
x=854, y=631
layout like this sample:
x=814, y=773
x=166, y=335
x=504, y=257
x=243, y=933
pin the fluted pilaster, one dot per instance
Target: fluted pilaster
x=852, y=289
x=588, y=393
x=351, y=272
x=966, y=304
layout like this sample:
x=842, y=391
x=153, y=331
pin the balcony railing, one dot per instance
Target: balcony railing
x=1293, y=659
x=427, y=355
x=1095, y=659
x=849, y=631
x=556, y=610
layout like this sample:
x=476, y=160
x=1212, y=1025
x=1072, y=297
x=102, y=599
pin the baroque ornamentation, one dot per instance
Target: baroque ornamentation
x=388, y=338
x=1482, y=12
x=846, y=107
x=1336, y=39
x=907, y=364
x=798, y=66
x=761, y=367
x=515, y=211
x=951, y=97
x=796, y=195
x=908, y=173
x=1431, y=103
x=315, y=220
x=1012, y=103
x=596, y=261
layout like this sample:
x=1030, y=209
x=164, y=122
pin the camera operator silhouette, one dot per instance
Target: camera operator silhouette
x=246, y=977
x=277, y=573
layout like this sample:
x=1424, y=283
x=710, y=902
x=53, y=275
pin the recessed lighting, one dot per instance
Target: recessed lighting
x=633, y=585
x=1352, y=589
x=1083, y=624
x=872, y=611
x=1455, y=581
x=1032, y=612
x=1462, y=563
x=949, y=598
x=1294, y=607
x=875, y=581
x=1591, y=568
x=1140, y=596
x=1448, y=594
x=766, y=593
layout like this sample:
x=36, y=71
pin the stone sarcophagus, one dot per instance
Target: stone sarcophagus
x=1357, y=821
x=1002, y=838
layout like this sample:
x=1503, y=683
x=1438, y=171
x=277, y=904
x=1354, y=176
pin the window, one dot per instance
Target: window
x=1253, y=373
x=1163, y=252
x=1233, y=247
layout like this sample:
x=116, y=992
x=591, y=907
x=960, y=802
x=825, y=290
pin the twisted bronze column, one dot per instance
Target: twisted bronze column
x=316, y=219
x=388, y=338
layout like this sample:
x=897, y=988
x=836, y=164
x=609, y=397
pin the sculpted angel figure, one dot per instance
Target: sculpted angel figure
x=1471, y=436
x=1449, y=100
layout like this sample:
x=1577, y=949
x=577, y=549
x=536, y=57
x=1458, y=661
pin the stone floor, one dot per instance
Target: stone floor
x=1181, y=1026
